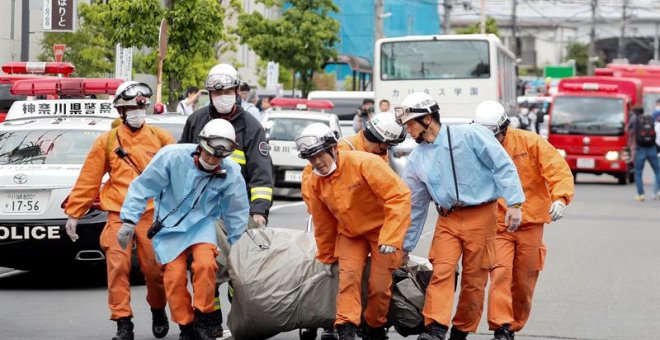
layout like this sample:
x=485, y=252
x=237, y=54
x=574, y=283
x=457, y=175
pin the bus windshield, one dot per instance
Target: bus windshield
x=588, y=116
x=435, y=59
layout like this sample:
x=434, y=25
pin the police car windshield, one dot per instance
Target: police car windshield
x=587, y=115
x=45, y=146
x=6, y=98
x=288, y=129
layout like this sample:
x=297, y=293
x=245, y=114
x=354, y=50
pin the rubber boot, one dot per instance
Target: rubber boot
x=124, y=329
x=434, y=331
x=512, y=335
x=187, y=332
x=202, y=324
x=378, y=333
x=457, y=334
x=215, y=317
x=159, y=323
x=329, y=334
x=346, y=331
x=502, y=333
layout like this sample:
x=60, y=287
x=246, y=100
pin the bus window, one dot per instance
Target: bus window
x=435, y=59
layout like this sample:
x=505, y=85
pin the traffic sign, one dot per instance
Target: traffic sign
x=58, y=51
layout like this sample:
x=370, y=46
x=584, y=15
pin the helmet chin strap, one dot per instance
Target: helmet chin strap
x=420, y=137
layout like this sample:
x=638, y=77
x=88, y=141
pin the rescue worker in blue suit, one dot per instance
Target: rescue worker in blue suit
x=463, y=169
x=193, y=186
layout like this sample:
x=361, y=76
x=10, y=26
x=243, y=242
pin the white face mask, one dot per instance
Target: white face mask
x=135, y=118
x=333, y=167
x=224, y=103
x=205, y=165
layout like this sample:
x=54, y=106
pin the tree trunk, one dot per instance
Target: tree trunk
x=173, y=87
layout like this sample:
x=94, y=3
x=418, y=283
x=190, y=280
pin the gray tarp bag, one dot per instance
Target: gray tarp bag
x=408, y=293
x=278, y=284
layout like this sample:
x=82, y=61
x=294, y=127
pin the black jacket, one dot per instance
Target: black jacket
x=252, y=152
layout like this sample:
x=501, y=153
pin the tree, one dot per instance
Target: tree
x=87, y=49
x=580, y=53
x=302, y=39
x=491, y=27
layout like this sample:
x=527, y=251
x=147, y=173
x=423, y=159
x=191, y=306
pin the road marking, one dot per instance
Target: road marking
x=12, y=273
x=282, y=206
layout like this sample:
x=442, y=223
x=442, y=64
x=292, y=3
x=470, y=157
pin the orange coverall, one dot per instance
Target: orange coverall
x=363, y=204
x=357, y=142
x=519, y=256
x=141, y=146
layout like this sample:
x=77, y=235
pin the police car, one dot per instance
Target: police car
x=284, y=125
x=43, y=144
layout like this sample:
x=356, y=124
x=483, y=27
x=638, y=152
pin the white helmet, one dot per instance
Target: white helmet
x=218, y=138
x=382, y=128
x=314, y=138
x=220, y=77
x=417, y=104
x=492, y=115
x=132, y=93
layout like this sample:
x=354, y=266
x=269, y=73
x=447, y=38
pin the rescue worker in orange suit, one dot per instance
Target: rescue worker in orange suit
x=463, y=170
x=548, y=185
x=360, y=207
x=193, y=185
x=381, y=133
x=123, y=153
x=252, y=152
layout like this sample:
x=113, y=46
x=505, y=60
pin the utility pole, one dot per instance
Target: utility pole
x=592, y=38
x=446, y=18
x=379, y=20
x=25, y=30
x=514, y=28
x=483, y=16
x=621, y=53
x=655, y=42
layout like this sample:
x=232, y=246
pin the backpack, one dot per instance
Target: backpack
x=645, y=131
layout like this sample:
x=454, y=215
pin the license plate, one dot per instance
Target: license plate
x=23, y=202
x=293, y=176
x=586, y=163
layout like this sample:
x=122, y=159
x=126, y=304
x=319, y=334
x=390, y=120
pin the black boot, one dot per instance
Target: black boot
x=329, y=334
x=457, y=334
x=124, y=329
x=159, y=323
x=215, y=323
x=346, y=331
x=187, y=332
x=308, y=334
x=502, y=333
x=202, y=324
x=434, y=331
x=377, y=333
x=512, y=335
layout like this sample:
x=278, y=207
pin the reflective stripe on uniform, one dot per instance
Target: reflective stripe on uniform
x=216, y=303
x=239, y=157
x=261, y=192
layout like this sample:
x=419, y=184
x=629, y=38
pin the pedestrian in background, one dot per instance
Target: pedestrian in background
x=123, y=153
x=359, y=207
x=187, y=106
x=364, y=113
x=547, y=182
x=192, y=185
x=248, y=100
x=641, y=132
x=384, y=105
x=463, y=170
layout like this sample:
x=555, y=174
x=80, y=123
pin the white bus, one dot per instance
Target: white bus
x=459, y=71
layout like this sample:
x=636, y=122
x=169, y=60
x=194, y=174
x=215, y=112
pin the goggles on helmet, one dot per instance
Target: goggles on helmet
x=404, y=114
x=138, y=90
x=218, y=82
x=308, y=146
x=217, y=146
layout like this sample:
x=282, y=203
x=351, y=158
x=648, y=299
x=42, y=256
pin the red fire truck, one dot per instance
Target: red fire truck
x=649, y=75
x=588, y=120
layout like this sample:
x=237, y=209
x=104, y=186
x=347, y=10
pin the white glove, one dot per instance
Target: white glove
x=125, y=235
x=557, y=210
x=385, y=249
x=327, y=269
x=513, y=218
x=70, y=227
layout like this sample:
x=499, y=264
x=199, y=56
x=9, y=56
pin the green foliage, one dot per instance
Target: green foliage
x=491, y=27
x=87, y=49
x=302, y=39
x=580, y=53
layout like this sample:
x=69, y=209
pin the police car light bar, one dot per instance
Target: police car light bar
x=38, y=67
x=591, y=87
x=302, y=104
x=65, y=86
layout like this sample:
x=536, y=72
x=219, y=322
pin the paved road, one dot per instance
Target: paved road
x=601, y=280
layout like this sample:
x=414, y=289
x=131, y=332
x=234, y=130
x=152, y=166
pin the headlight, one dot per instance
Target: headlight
x=612, y=155
x=562, y=152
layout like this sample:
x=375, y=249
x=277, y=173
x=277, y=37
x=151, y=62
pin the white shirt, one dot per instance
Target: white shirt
x=184, y=108
x=657, y=133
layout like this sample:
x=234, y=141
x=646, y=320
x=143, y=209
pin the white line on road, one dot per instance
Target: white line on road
x=282, y=206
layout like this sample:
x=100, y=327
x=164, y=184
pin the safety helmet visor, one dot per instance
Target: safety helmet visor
x=133, y=91
x=217, y=146
x=308, y=146
x=384, y=136
x=218, y=82
x=403, y=114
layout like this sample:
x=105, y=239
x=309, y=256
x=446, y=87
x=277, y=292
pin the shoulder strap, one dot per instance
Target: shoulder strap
x=350, y=145
x=453, y=167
